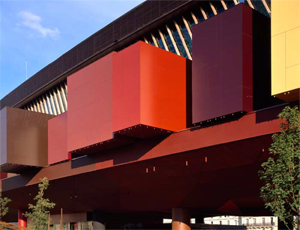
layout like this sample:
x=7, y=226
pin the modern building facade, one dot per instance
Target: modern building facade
x=167, y=112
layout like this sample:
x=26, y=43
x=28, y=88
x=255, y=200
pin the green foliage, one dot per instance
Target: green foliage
x=39, y=213
x=281, y=173
x=3, y=205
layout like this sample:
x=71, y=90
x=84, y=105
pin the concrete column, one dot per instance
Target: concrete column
x=181, y=219
x=22, y=220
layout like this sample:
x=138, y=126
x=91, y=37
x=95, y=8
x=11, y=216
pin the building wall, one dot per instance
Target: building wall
x=285, y=32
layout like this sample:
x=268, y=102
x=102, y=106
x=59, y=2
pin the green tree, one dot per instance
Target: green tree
x=39, y=213
x=281, y=172
x=3, y=205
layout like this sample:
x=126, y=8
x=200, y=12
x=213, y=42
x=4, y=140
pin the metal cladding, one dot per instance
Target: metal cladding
x=57, y=139
x=140, y=92
x=90, y=105
x=124, y=141
x=286, y=49
x=222, y=65
x=149, y=88
x=138, y=18
x=24, y=139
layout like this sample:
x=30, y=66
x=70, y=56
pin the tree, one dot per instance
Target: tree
x=39, y=213
x=3, y=205
x=281, y=173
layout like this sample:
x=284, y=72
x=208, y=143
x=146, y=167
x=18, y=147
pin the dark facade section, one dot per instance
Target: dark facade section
x=262, y=96
x=222, y=65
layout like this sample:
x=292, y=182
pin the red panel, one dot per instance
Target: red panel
x=149, y=88
x=3, y=175
x=126, y=88
x=222, y=65
x=22, y=220
x=90, y=104
x=57, y=139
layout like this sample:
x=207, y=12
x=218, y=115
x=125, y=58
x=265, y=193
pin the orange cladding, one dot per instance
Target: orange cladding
x=149, y=88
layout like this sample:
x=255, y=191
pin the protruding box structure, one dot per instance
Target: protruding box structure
x=57, y=139
x=90, y=105
x=24, y=139
x=222, y=65
x=285, y=32
x=149, y=91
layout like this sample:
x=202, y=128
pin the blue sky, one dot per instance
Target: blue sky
x=42, y=30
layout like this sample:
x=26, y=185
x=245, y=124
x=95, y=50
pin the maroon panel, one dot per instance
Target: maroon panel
x=90, y=105
x=57, y=139
x=222, y=64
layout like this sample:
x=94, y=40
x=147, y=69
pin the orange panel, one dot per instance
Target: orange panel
x=90, y=105
x=149, y=88
x=163, y=89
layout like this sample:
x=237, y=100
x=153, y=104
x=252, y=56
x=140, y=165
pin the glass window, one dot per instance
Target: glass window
x=160, y=43
x=186, y=36
x=259, y=6
x=178, y=41
x=168, y=40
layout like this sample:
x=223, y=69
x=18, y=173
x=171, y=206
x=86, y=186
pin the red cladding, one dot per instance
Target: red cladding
x=149, y=88
x=57, y=139
x=222, y=65
x=90, y=104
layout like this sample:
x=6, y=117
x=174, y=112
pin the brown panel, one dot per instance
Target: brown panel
x=24, y=139
x=222, y=65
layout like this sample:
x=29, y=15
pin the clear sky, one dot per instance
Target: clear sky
x=42, y=30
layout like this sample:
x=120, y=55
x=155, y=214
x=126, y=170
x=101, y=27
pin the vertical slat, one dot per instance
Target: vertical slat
x=60, y=100
x=45, y=105
x=203, y=13
x=56, y=102
x=53, y=104
x=173, y=40
x=250, y=4
x=41, y=105
x=146, y=40
x=182, y=40
x=31, y=107
x=187, y=27
x=224, y=5
x=49, y=104
x=163, y=40
x=34, y=106
x=235, y=2
x=213, y=8
x=194, y=18
x=64, y=97
x=38, y=106
x=154, y=40
x=266, y=6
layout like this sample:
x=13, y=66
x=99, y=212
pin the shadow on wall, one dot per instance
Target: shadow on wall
x=129, y=153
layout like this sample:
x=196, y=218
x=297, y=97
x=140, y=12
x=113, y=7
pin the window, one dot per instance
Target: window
x=178, y=41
